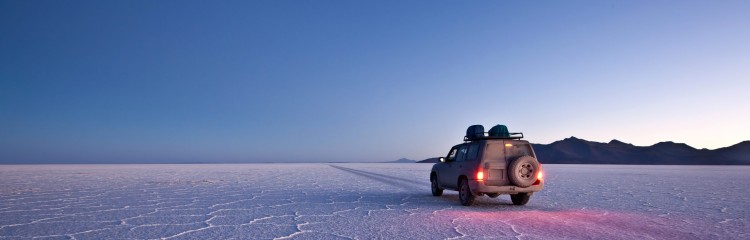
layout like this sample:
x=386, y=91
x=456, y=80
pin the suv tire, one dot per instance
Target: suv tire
x=436, y=190
x=464, y=193
x=520, y=198
x=522, y=171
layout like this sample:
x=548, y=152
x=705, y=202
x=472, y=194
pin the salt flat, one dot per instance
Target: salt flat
x=365, y=201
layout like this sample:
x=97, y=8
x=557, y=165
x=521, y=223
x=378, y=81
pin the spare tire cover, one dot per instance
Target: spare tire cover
x=522, y=171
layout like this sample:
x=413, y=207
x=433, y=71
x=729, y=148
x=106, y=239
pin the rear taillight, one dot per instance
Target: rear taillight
x=480, y=175
x=540, y=174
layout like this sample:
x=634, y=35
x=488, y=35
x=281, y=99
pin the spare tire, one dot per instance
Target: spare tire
x=522, y=171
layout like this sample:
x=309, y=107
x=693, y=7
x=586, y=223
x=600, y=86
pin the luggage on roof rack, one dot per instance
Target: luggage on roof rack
x=499, y=131
x=476, y=132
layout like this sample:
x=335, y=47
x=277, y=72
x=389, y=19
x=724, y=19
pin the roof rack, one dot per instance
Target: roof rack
x=515, y=136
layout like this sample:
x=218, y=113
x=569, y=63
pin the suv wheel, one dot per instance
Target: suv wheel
x=520, y=198
x=523, y=170
x=464, y=193
x=436, y=190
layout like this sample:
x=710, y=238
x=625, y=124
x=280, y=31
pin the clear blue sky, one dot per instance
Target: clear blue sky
x=182, y=81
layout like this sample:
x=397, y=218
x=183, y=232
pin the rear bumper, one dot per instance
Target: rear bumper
x=478, y=188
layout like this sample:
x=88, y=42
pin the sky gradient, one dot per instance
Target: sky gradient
x=296, y=81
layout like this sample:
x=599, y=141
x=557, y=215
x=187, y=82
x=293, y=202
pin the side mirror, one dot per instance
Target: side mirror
x=442, y=159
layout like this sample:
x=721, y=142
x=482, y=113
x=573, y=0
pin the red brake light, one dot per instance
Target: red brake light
x=539, y=175
x=480, y=175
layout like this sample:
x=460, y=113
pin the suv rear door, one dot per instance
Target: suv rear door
x=495, y=164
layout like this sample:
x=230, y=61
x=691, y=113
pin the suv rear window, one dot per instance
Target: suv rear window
x=517, y=149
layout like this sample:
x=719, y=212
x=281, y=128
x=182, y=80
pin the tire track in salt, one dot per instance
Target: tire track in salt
x=406, y=184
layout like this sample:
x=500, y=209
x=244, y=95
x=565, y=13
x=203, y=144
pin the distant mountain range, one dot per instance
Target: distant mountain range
x=578, y=151
x=430, y=160
x=575, y=150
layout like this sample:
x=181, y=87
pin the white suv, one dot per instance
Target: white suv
x=493, y=163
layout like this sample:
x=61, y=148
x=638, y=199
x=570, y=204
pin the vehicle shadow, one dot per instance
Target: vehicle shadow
x=366, y=173
x=406, y=184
